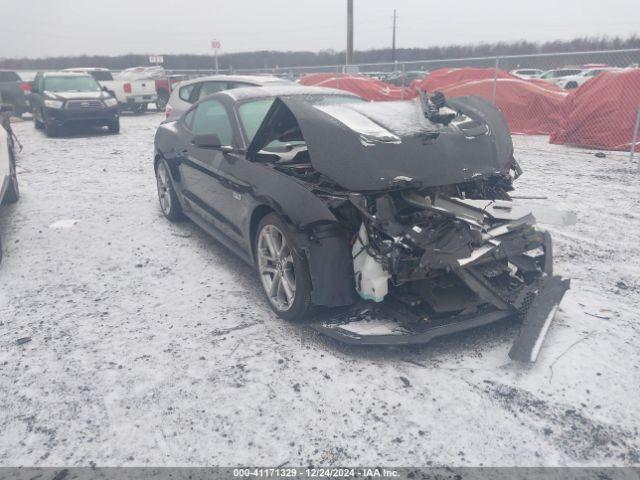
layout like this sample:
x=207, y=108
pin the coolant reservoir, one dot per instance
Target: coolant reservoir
x=372, y=282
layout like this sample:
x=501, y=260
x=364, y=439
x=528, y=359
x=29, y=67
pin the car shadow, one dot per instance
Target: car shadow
x=83, y=132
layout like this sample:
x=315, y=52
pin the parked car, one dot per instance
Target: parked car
x=132, y=95
x=191, y=91
x=400, y=79
x=556, y=75
x=15, y=92
x=61, y=99
x=9, y=191
x=527, y=73
x=335, y=201
x=164, y=87
x=574, y=81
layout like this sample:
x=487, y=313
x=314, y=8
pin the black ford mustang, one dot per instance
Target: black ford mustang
x=403, y=206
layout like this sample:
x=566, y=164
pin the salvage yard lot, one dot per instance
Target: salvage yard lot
x=152, y=344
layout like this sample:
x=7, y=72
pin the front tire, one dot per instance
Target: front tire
x=114, y=127
x=284, y=273
x=50, y=129
x=169, y=203
x=37, y=123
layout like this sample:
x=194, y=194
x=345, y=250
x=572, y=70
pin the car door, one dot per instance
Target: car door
x=201, y=169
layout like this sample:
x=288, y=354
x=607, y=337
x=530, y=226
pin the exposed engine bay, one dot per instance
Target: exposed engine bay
x=437, y=245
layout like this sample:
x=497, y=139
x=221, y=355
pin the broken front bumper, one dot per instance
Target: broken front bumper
x=372, y=324
x=395, y=321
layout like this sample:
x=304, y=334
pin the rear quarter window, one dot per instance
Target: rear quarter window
x=185, y=92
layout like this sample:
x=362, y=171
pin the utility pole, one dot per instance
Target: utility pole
x=349, y=59
x=393, y=41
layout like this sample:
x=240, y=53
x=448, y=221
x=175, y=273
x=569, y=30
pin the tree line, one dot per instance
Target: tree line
x=283, y=59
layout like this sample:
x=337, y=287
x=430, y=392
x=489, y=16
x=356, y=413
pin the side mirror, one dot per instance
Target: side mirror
x=105, y=89
x=207, y=140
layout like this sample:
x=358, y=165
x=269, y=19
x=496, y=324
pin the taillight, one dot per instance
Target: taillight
x=25, y=87
x=127, y=88
x=168, y=111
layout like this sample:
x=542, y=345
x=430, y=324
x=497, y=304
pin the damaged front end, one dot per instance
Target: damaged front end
x=438, y=264
x=422, y=191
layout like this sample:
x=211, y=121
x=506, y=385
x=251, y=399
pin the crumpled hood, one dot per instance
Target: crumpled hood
x=77, y=95
x=377, y=146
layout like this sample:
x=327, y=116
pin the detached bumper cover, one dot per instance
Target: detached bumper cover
x=384, y=324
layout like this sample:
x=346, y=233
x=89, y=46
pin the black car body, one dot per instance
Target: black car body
x=13, y=92
x=402, y=205
x=62, y=99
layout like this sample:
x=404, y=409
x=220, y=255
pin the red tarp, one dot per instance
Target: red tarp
x=602, y=112
x=445, y=77
x=529, y=108
x=368, y=88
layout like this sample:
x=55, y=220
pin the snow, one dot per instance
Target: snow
x=153, y=345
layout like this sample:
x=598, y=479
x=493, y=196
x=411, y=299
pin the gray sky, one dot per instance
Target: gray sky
x=41, y=28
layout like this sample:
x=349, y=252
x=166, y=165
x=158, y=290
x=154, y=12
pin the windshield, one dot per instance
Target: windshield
x=9, y=77
x=102, y=75
x=252, y=114
x=71, y=84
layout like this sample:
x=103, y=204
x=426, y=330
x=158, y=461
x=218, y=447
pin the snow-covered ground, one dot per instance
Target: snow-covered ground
x=152, y=344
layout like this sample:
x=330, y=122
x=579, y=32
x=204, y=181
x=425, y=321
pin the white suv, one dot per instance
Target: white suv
x=189, y=92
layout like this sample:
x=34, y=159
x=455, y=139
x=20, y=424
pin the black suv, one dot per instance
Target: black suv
x=59, y=99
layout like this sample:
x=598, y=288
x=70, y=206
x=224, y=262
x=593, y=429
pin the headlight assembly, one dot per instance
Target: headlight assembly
x=54, y=104
x=111, y=102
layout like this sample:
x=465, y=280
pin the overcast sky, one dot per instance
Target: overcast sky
x=41, y=28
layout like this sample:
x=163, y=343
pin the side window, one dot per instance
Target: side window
x=239, y=85
x=252, y=114
x=211, y=117
x=209, y=88
x=185, y=92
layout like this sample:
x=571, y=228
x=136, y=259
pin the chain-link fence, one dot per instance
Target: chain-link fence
x=589, y=99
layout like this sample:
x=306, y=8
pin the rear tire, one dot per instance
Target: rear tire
x=161, y=103
x=284, y=273
x=139, y=108
x=169, y=203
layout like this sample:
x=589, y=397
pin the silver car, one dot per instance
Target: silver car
x=189, y=92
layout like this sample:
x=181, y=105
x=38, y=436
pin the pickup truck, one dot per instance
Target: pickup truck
x=9, y=191
x=15, y=92
x=132, y=95
x=164, y=82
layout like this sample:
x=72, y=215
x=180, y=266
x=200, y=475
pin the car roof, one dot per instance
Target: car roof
x=64, y=74
x=255, y=79
x=249, y=93
x=86, y=69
